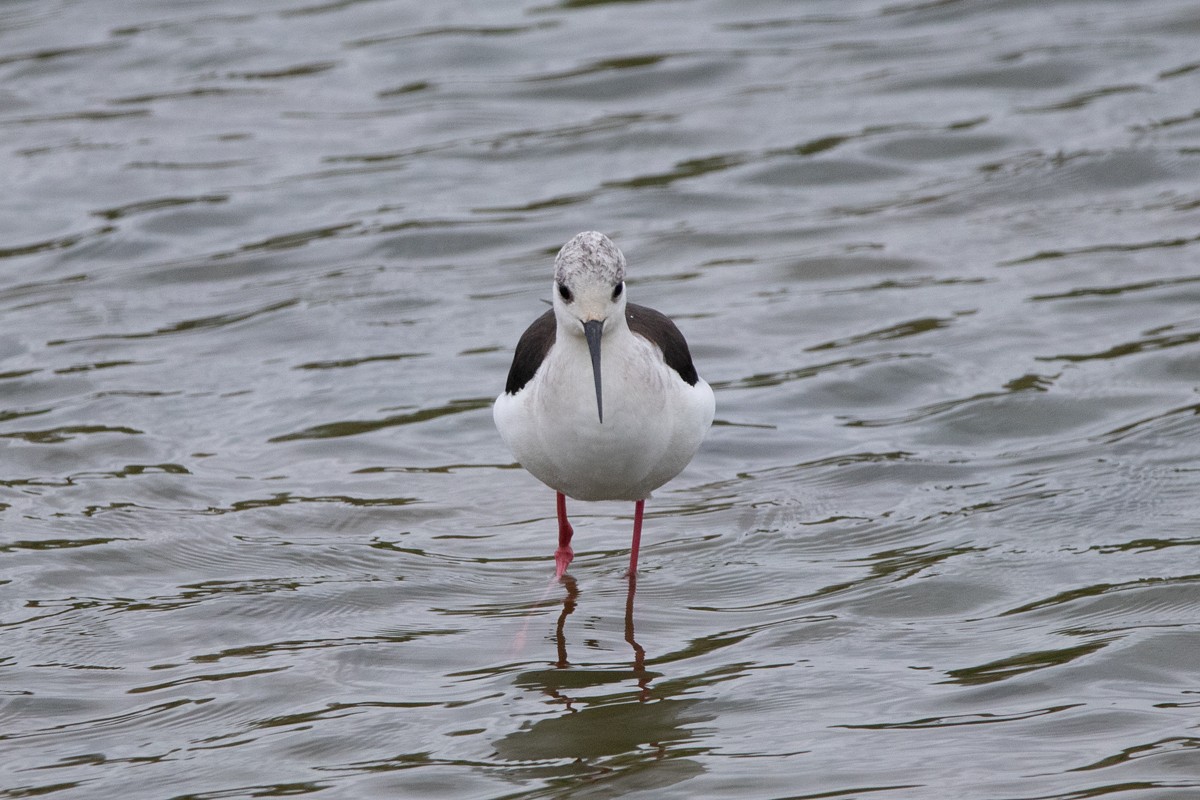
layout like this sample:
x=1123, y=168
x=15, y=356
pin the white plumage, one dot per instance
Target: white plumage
x=602, y=401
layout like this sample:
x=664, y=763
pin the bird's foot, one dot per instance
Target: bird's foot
x=562, y=560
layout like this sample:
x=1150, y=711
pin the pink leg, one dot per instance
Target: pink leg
x=637, y=537
x=564, y=554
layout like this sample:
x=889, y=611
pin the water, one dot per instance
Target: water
x=261, y=271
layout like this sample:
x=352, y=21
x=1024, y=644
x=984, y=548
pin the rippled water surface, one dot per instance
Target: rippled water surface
x=262, y=267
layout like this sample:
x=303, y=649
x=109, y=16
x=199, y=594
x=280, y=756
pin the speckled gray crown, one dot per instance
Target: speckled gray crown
x=590, y=253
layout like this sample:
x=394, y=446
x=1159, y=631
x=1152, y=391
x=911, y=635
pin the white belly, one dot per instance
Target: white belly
x=653, y=421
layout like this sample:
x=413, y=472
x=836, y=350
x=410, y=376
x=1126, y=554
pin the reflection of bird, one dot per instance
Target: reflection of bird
x=651, y=408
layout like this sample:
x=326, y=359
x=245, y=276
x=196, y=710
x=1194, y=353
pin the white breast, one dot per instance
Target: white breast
x=653, y=420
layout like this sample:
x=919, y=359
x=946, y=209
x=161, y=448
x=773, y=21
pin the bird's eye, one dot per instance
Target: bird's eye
x=617, y=290
x=564, y=293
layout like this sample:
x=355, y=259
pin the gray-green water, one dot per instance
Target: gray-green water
x=261, y=270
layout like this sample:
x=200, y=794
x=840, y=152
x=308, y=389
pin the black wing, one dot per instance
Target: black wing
x=531, y=351
x=659, y=329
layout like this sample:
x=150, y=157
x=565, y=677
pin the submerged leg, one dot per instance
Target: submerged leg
x=564, y=554
x=637, y=536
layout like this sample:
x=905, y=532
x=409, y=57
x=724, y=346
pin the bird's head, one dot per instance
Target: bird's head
x=589, y=292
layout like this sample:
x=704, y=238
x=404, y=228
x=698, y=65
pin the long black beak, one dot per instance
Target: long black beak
x=592, y=330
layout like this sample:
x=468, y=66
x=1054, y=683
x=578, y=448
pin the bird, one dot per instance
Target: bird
x=602, y=400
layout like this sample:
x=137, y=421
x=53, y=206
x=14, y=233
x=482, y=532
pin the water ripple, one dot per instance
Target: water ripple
x=261, y=275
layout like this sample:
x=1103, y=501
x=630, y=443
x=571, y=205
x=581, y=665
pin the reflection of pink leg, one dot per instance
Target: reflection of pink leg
x=637, y=536
x=564, y=554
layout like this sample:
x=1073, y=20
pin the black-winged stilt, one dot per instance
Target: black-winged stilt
x=602, y=400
